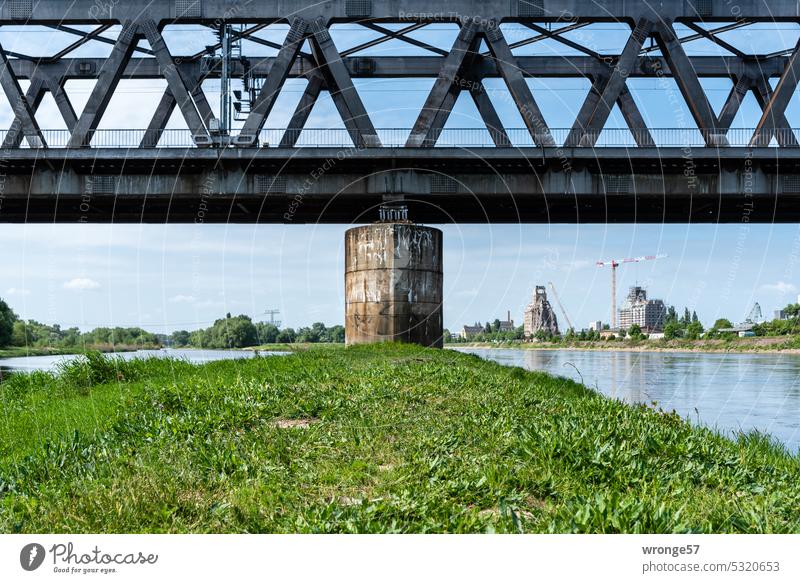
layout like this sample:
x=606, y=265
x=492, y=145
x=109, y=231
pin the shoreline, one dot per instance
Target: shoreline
x=628, y=348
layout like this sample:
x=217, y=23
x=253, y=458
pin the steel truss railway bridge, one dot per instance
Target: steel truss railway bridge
x=297, y=174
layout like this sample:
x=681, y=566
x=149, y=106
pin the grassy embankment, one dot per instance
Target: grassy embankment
x=367, y=439
x=772, y=344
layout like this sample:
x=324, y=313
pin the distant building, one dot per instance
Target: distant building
x=596, y=326
x=468, y=332
x=539, y=315
x=507, y=325
x=780, y=315
x=637, y=309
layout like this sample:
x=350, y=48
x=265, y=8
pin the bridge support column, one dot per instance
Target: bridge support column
x=393, y=284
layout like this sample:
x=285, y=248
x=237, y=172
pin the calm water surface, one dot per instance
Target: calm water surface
x=31, y=363
x=730, y=392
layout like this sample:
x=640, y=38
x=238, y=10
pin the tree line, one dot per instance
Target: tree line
x=228, y=332
x=241, y=332
x=17, y=332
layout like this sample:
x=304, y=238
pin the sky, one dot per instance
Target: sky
x=167, y=277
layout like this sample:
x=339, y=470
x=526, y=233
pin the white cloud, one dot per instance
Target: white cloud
x=182, y=299
x=81, y=284
x=18, y=291
x=780, y=288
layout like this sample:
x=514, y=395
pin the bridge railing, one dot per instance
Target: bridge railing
x=448, y=137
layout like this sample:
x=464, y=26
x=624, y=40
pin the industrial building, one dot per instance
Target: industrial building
x=539, y=315
x=637, y=309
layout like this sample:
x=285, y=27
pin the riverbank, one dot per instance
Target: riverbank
x=21, y=351
x=762, y=345
x=368, y=439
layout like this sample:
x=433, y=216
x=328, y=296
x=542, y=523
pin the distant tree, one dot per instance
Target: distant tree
x=267, y=333
x=233, y=332
x=687, y=317
x=694, y=317
x=336, y=334
x=287, y=336
x=694, y=330
x=487, y=329
x=635, y=332
x=672, y=315
x=672, y=330
x=180, y=338
x=792, y=310
x=722, y=323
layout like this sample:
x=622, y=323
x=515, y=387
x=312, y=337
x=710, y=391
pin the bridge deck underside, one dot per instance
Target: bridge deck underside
x=439, y=186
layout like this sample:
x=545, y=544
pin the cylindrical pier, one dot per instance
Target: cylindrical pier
x=393, y=284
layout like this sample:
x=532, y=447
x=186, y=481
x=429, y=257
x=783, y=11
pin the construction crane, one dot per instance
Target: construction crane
x=560, y=305
x=614, y=263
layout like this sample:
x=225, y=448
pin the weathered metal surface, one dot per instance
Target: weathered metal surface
x=393, y=284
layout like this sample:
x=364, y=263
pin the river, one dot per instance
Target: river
x=729, y=392
x=32, y=363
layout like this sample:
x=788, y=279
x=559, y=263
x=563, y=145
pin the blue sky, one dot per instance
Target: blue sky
x=185, y=276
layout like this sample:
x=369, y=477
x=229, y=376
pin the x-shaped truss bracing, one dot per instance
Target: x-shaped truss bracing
x=479, y=52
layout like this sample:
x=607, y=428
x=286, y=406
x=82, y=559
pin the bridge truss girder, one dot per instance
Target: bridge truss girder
x=463, y=67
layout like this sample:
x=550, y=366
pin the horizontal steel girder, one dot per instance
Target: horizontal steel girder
x=210, y=11
x=411, y=67
x=441, y=185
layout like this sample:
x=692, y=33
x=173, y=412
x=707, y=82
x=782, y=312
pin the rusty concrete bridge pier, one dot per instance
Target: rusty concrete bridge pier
x=394, y=284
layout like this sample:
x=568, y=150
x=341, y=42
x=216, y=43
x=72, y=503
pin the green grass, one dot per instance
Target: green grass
x=392, y=439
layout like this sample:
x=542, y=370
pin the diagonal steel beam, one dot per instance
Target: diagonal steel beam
x=23, y=112
x=80, y=42
x=402, y=37
x=316, y=83
x=782, y=132
x=107, y=81
x=383, y=39
x=102, y=39
x=634, y=119
x=343, y=92
x=518, y=88
x=265, y=101
x=597, y=108
x=733, y=103
x=489, y=114
x=444, y=93
x=175, y=82
x=33, y=96
x=540, y=37
x=556, y=36
x=158, y=122
x=775, y=109
x=693, y=37
x=710, y=35
x=689, y=84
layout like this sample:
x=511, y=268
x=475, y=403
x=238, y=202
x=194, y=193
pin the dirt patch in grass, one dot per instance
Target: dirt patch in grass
x=295, y=423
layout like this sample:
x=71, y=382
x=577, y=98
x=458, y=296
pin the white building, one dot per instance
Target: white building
x=637, y=309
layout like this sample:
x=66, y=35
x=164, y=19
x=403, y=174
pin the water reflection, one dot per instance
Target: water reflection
x=726, y=391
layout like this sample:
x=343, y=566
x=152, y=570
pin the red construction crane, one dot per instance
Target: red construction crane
x=614, y=263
